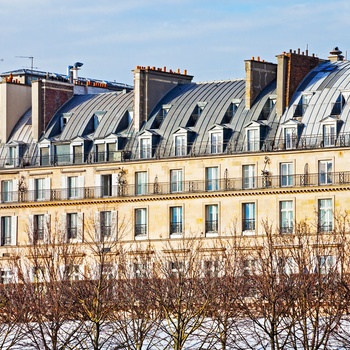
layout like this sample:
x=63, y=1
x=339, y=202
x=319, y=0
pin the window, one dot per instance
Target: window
x=290, y=138
x=211, y=268
x=197, y=111
x=62, y=154
x=329, y=135
x=39, y=189
x=106, y=185
x=38, y=274
x=338, y=105
x=77, y=154
x=286, y=217
x=326, y=264
x=73, y=186
x=145, y=148
x=7, y=191
x=325, y=172
x=100, y=152
x=211, y=179
x=216, y=145
x=140, y=222
x=249, y=176
x=72, y=273
x=302, y=105
x=176, y=180
x=141, y=183
x=248, y=217
x=253, y=140
x=180, y=145
x=11, y=155
x=211, y=219
x=72, y=225
x=230, y=112
x=39, y=228
x=286, y=170
x=8, y=230
x=44, y=156
x=105, y=225
x=112, y=151
x=140, y=270
x=176, y=220
x=325, y=215
x=7, y=276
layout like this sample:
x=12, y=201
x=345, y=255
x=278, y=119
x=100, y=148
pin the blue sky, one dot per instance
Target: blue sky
x=211, y=39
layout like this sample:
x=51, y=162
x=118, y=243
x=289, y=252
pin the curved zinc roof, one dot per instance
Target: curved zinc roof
x=81, y=110
x=322, y=88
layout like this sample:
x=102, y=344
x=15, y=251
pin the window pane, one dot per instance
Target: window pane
x=212, y=182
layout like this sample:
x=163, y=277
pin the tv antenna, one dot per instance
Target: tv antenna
x=31, y=61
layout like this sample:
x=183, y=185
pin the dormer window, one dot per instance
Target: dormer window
x=267, y=109
x=181, y=142
x=329, y=135
x=197, y=111
x=147, y=140
x=291, y=130
x=230, y=112
x=97, y=117
x=45, y=152
x=338, y=105
x=218, y=134
x=329, y=131
x=14, y=154
x=145, y=147
x=163, y=112
x=302, y=104
x=64, y=120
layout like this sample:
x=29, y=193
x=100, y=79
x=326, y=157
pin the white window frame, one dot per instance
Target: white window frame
x=180, y=145
x=325, y=214
x=145, y=147
x=176, y=221
x=212, y=178
x=248, y=218
x=286, y=216
x=141, y=226
x=216, y=141
x=329, y=134
x=249, y=176
x=325, y=172
x=253, y=139
x=141, y=184
x=211, y=220
x=176, y=180
x=286, y=174
x=8, y=230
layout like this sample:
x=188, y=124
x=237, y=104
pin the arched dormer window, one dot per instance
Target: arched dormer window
x=303, y=103
x=231, y=111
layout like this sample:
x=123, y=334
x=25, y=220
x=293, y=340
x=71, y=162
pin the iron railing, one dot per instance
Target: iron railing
x=162, y=188
x=169, y=150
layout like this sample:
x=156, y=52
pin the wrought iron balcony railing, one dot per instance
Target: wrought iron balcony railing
x=163, y=188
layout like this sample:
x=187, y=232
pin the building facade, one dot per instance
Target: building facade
x=171, y=159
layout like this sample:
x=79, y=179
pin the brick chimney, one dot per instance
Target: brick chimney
x=292, y=69
x=47, y=97
x=150, y=86
x=258, y=75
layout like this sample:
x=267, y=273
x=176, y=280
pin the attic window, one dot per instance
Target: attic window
x=163, y=112
x=338, y=105
x=302, y=105
x=197, y=111
x=64, y=120
x=267, y=109
x=230, y=112
x=97, y=118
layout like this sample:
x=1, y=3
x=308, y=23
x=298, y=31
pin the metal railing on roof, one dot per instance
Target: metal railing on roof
x=195, y=149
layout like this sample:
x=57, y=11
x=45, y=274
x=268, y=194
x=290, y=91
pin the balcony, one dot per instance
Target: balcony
x=176, y=228
x=165, y=188
x=140, y=230
x=163, y=151
x=211, y=226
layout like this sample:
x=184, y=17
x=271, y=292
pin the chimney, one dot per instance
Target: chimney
x=292, y=69
x=47, y=97
x=150, y=86
x=15, y=100
x=335, y=55
x=258, y=75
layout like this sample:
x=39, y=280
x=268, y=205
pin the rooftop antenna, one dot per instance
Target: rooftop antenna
x=31, y=64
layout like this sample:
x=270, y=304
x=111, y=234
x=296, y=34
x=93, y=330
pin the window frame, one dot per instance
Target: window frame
x=325, y=172
x=212, y=178
x=211, y=219
x=176, y=221
x=141, y=227
x=248, y=218
x=286, y=209
x=249, y=176
x=141, y=184
x=325, y=215
x=176, y=180
x=287, y=174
